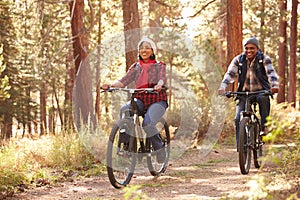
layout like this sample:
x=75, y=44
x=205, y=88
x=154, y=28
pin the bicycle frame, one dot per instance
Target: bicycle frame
x=249, y=129
x=248, y=112
x=121, y=166
x=134, y=109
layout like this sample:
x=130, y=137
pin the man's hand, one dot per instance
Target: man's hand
x=274, y=90
x=105, y=87
x=221, y=91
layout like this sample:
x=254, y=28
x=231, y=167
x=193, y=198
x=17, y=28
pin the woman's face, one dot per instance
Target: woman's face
x=145, y=51
x=251, y=51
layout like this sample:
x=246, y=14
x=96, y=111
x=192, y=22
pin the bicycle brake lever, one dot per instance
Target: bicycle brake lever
x=228, y=95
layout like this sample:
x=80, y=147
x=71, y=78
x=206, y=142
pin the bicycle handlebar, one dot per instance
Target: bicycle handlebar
x=231, y=94
x=133, y=90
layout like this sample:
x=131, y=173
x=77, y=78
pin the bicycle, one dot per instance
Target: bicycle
x=250, y=138
x=128, y=144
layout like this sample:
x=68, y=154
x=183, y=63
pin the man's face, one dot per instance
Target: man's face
x=251, y=51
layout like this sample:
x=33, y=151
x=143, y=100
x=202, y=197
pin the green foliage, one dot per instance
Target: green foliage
x=284, y=150
x=134, y=192
x=23, y=161
x=67, y=151
x=285, y=126
x=9, y=179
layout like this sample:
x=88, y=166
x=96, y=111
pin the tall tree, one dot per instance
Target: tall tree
x=282, y=47
x=262, y=25
x=293, y=55
x=84, y=112
x=131, y=32
x=234, y=29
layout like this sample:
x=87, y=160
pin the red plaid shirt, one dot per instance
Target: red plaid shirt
x=146, y=76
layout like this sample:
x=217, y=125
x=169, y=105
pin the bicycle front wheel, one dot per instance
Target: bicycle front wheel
x=244, y=145
x=258, y=147
x=120, y=156
x=157, y=165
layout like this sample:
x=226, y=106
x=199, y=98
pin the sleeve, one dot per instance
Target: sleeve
x=232, y=73
x=162, y=73
x=129, y=76
x=271, y=73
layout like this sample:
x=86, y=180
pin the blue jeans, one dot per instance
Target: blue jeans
x=264, y=110
x=154, y=113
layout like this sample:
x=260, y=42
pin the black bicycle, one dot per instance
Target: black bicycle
x=128, y=144
x=250, y=138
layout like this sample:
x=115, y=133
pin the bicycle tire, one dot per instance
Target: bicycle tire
x=156, y=168
x=120, y=165
x=244, y=145
x=258, y=146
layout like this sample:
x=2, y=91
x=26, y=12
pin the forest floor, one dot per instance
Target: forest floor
x=216, y=176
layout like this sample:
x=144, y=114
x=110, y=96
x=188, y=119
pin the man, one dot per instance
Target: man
x=254, y=72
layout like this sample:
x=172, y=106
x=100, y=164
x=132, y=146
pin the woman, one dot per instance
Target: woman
x=147, y=73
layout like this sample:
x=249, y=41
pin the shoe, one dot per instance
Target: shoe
x=265, y=131
x=161, y=155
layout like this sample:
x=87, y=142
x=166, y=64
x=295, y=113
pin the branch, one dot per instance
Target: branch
x=203, y=8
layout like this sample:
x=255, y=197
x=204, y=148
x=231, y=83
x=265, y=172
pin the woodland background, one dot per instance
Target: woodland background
x=43, y=45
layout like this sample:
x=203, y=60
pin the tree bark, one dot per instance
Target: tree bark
x=43, y=95
x=70, y=74
x=282, y=48
x=234, y=30
x=293, y=55
x=98, y=65
x=83, y=101
x=262, y=26
x=131, y=32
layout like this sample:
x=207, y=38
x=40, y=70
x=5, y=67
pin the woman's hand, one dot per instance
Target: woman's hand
x=158, y=88
x=116, y=84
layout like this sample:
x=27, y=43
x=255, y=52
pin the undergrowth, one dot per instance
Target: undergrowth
x=48, y=158
x=283, y=141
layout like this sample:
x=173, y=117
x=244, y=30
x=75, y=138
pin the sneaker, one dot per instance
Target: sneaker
x=161, y=155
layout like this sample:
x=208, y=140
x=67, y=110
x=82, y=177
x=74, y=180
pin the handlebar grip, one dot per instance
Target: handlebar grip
x=228, y=94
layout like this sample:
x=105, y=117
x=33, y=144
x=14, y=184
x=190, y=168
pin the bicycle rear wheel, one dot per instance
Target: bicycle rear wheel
x=120, y=158
x=258, y=146
x=244, y=145
x=157, y=167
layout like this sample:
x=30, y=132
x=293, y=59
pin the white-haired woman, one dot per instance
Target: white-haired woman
x=147, y=72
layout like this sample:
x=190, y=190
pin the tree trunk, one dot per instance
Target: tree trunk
x=70, y=74
x=83, y=101
x=98, y=65
x=262, y=25
x=293, y=55
x=131, y=30
x=282, y=47
x=234, y=29
x=43, y=96
x=28, y=111
x=7, y=133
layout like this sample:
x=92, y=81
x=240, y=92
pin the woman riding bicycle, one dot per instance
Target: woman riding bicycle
x=147, y=73
x=254, y=72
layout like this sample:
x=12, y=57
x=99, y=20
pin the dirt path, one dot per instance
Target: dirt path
x=215, y=176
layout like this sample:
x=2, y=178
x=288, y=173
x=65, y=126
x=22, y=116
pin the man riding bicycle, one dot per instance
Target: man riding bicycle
x=147, y=73
x=254, y=72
